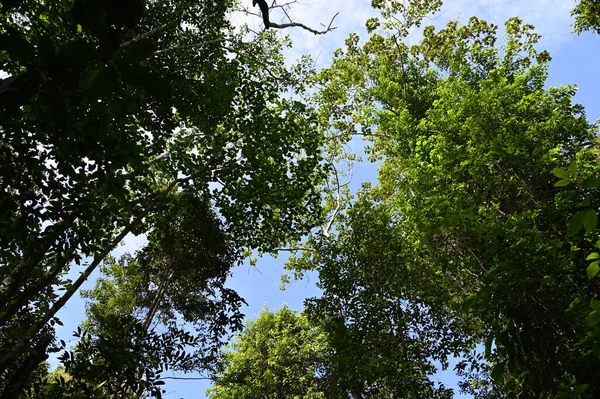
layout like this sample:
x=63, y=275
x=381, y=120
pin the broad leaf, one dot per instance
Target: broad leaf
x=590, y=220
x=561, y=173
x=591, y=182
x=593, y=269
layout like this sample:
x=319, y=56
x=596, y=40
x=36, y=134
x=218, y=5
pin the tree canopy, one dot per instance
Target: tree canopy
x=279, y=355
x=110, y=110
x=476, y=246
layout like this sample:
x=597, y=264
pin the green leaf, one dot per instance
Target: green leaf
x=105, y=83
x=562, y=183
x=593, y=319
x=580, y=389
x=592, y=270
x=593, y=255
x=595, y=305
x=575, y=223
x=561, y=173
x=585, y=203
x=573, y=168
x=591, y=182
x=590, y=220
x=497, y=372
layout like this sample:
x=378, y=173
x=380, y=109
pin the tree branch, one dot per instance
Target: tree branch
x=50, y=313
x=264, y=9
x=338, y=199
x=148, y=34
x=299, y=25
x=327, y=29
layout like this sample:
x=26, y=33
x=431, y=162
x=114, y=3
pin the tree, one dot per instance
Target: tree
x=111, y=107
x=464, y=236
x=587, y=16
x=279, y=355
x=166, y=308
x=386, y=331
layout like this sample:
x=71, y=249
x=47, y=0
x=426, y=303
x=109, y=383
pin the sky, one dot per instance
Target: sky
x=576, y=60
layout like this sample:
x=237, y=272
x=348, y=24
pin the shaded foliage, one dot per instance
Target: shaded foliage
x=109, y=108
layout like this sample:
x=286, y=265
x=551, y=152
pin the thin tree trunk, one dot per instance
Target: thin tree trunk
x=15, y=279
x=39, y=325
x=156, y=302
x=27, y=294
x=152, y=312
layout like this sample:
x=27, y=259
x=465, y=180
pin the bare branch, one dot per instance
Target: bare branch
x=338, y=199
x=148, y=34
x=284, y=5
x=264, y=9
x=327, y=29
x=294, y=249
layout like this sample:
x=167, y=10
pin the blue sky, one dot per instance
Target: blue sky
x=576, y=60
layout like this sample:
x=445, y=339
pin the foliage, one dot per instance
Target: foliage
x=108, y=109
x=587, y=16
x=159, y=118
x=385, y=334
x=464, y=236
x=166, y=308
x=279, y=355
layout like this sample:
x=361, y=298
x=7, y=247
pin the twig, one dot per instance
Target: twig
x=265, y=8
x=294, y=249
x=299, y=25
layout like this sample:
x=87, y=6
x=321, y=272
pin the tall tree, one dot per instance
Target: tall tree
x=108, y=108
x=166, y=308
x=466, y=230
x=278, y=355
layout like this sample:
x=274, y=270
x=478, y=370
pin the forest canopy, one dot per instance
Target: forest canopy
x=474, y=248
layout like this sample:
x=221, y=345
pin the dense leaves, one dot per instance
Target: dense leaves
x=477, y=246
x=166, y=308
x=587, y=16
x=108, y=108
x=279, y=355
x=463, y=246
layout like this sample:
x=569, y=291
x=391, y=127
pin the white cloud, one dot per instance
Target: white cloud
x=551, y=18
